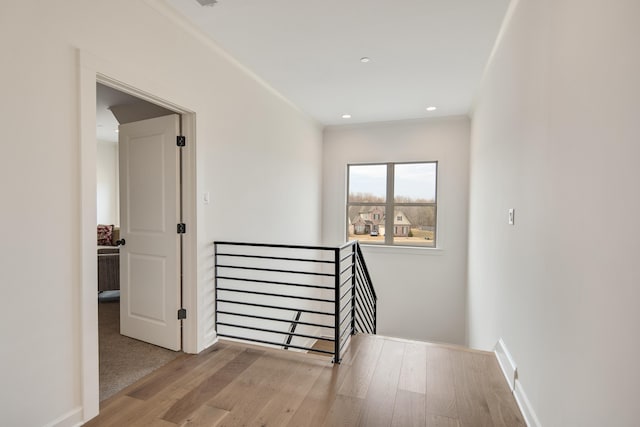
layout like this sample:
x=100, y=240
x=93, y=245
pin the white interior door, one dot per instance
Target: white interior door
x=149, y=214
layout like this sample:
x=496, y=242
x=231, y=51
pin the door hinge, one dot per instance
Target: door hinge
x=182, y=228
x=182, y=314
x=181, y=141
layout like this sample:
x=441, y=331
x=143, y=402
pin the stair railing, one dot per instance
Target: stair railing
x=258, y=287
x=365, y=299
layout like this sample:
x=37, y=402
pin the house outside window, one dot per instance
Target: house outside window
x=407, y=191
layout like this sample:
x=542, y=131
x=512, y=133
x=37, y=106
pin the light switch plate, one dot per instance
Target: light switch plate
x=512, y=214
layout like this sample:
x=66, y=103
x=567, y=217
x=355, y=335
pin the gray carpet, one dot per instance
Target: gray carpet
x=124, y=360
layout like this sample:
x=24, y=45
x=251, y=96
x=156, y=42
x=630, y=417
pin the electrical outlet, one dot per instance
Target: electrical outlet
x=512, y=214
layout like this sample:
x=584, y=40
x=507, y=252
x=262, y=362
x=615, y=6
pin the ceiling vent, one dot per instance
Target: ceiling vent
x=207, y=2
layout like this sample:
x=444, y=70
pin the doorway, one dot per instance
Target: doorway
x=127, y=97
x=126, y=78
x=139, y=258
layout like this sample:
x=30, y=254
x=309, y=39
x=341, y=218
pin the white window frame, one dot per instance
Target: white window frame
x=391, y=206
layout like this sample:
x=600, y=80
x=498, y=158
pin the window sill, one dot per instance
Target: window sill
x=399, y=249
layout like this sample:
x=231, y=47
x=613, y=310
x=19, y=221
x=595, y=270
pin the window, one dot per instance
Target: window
x=406, y=190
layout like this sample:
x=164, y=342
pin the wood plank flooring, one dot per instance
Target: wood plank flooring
x=381, y=382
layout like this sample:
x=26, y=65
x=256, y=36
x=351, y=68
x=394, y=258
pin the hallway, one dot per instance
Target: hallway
x=380, y=382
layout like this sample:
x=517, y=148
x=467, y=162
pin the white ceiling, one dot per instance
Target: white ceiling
x=106, y=123
x=423, y=52
x=129, y=108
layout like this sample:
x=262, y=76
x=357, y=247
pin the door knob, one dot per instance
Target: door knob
x=120, y=242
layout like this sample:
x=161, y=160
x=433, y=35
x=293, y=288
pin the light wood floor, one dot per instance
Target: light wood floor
x=381, y=382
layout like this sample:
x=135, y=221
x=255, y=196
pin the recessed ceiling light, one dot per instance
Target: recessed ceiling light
x=432, y=108
x=365, y=59
x=346, y=116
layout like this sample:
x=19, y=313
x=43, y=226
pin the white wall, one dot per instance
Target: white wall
x=257, y=155
x=555, y=135
x=107, y=179
x=421, y=292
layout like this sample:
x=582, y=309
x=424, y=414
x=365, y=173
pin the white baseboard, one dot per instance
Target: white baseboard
x=72, y=418
x=510, y=371
x=506, y=362
x=209, y=340
x=525, y=406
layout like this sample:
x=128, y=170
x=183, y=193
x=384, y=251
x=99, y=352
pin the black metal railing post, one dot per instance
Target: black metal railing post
x=353, y=287
x=336, y=352
x=215, y=286
x=375, y=316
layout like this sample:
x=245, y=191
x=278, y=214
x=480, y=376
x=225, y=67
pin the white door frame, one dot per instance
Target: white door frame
x=92, y=70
